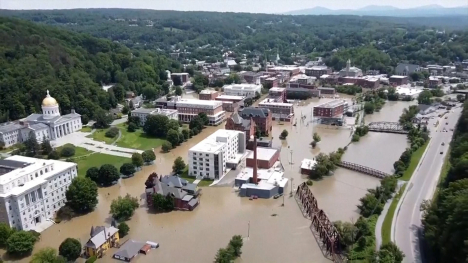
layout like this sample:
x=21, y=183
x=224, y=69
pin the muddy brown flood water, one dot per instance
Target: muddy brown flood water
x=196, y=236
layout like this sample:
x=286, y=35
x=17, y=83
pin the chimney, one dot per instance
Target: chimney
x=255, y=176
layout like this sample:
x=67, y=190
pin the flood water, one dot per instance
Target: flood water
x=196, y=236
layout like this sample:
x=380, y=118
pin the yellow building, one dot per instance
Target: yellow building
x=102, y=238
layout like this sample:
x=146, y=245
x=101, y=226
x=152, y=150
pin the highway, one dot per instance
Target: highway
x=406, y=224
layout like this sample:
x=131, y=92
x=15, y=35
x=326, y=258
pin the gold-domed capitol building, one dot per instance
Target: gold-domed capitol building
x=49, y=125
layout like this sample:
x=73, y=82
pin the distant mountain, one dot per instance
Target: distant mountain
x=375, y=10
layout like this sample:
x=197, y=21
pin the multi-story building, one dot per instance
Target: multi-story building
x=318, y=71
x=214, y=156
x=278, y=108
x=252, y=77
x=237, y=123
x=143, y=113
x=247, y=90
x=369, y=82
x=262, y=117
x=189, y=108
x=291, y=69
x=350, y=71
x=330, y=109
x=49, y=125
x=404, y=69
x=33, y=190
x=398, y=80
x=208, y=94
x=184, y=77
x=271, y=81
x=277, y=93
x=434, y=82
x=231, y=103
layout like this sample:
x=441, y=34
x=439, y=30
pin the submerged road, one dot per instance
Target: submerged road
x=406, y=225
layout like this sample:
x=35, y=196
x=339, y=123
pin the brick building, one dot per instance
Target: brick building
x=189, y=108
x=261, y=116
x=207, y=94
x=237, y=123
x=266, y=158
x=318, y=71
x=330, y=109
x=277, y=93
x=398, y=80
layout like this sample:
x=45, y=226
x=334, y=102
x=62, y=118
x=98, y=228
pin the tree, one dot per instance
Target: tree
x=156, y=125
x=204, y=118
x=53, y=155
x=31, y=145
x=82, y=195
x=46, y=147
x=347, y=231
x=123, y=208
x=123, y=229
x=163, y=203
x=370, y=205
x=166, y=147
x=186, y=134
x=5, y=233
x=178, y=91
x=103, y=119
x=316, y=137
x=150, y=180
x=137, y=160
x=135, y=120
x=112, y=132
x=369, y=107
x=84, y=119
x=425, y=97
x=284, y=134
x=21, y=243
x=236, y=243
x=197, y=123
x=148, y=156
x=396, y=253
x=93, y=174
x=178, y=166
x=68, y=150
x=132, y=127
x=108, y=174
x=150, y=93
x=125, y=109
x=127, y=169
x=224, y=255
x=70, y=249
x=47, y=255
x=173, y=137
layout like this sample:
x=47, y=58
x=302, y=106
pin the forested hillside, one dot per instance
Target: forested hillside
x=207, y=35
x=446, y=220
x=35, y=58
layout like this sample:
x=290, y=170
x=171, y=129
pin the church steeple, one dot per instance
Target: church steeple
x=348, y=65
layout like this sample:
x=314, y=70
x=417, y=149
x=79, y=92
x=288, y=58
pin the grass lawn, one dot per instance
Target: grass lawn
x=86, y=129
x=99, y=135
x=9, y=149
x=202, y=183
x=79, y=151
x=97, y=160
x=138, y=139
x=415, y=158
x=387, y=223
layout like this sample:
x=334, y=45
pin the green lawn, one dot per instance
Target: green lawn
x=98, y=159
x=11, y=148
x=86, y=129
x=202, y=183
x=79, y=151
x=387, y=223
x=99, y=135
x=138, y=139
x=415, y=158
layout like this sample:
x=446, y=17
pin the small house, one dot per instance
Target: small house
x=102, y=239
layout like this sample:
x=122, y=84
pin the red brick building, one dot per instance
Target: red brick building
x=277, y=93
x=318, y=71
x=370, y=83
x=266, y=158
x=398, y=80
x=237, y=123
x=261, y=116
x=208, y=94
x=333, y=108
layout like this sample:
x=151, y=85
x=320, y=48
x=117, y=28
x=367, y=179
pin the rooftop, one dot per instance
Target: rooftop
x=9, y=127
x=317, y=68
x=230, y=97
x=276, y=89
x=331, y=104
x=129, y=249
x=193, y=102
x=268, y=101
x=248, y=112
x=154, y=111
x=251, y=87
x=99, y=235
x=208, y=91
x=268, y=178
x=263, y=153
x=308, y=164
x=215, y=141
x=398, y=77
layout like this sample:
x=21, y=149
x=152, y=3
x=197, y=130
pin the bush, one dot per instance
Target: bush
x=91, y=259
x=54, y=155
x=309, y=182
x=132, y=127
x=166, y=147
x=67, y=151
x=123, y=229
x=21, y=243
x=112, y=132
x=355, y=138
x=284, y=134
x=70, y=249
x=122, y=208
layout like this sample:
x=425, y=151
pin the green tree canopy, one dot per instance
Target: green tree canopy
x=82, y=195
x=122, y=208
x=70, y=249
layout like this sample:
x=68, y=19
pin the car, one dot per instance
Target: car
x=441, y=152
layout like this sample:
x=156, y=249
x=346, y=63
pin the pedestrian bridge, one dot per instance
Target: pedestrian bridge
x=389, y=127
x=363, y=169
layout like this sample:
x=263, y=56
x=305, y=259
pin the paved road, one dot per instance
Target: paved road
x=406, y=227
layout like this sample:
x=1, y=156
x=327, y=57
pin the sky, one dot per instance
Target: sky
x=250, y=6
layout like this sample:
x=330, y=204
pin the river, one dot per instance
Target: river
x=277, y=233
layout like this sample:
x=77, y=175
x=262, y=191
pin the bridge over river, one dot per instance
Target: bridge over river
x=390, y=127
x=363, y=169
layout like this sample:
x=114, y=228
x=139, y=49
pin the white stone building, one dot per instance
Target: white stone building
x=214, y=156
x=350, y=71
x=49, y=125
x=143, y=113
x=33, y=190
x=247, y=90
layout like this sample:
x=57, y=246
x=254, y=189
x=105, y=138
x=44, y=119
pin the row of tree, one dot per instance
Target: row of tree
x=231, y=252
x=326, y=164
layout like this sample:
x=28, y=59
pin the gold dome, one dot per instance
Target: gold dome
x=49, y=101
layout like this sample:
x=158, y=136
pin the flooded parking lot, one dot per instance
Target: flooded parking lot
x=277, y=233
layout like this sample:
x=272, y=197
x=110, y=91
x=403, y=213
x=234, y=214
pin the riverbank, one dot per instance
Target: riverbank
x=388, y=217
x=415, y=158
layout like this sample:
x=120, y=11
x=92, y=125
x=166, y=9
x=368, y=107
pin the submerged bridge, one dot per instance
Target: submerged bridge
x=363, y=169
x=323, y=229
x=389, y=127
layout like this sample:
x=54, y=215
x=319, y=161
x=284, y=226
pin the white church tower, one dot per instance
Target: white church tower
x=50, y=107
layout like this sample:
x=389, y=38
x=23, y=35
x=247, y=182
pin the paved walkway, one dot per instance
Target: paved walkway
x=80, y=139
x=196, y=181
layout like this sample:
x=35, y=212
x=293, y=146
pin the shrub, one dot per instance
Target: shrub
x=309, y=182
x=123, y=229
x=132, y=127
x=112, y=132
x=166, y=147
x=54, y=155
x=67, y=151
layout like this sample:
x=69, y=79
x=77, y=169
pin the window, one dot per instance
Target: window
x=42, y=172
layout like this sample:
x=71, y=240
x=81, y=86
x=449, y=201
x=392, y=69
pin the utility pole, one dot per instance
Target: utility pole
x=248, y=230
x=283, y=199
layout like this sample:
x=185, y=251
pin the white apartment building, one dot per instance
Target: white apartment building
x=49, y=125
x=247, y=90
x=211, y=157
x=189, y=108
x=33, y=190
x=143, y=113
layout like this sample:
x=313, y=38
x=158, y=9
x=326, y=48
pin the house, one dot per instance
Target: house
x=426, y=109
x=130, y=249
x=183, y=193
x=102, y=239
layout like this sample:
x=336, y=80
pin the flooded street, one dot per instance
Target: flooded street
x=196, y=236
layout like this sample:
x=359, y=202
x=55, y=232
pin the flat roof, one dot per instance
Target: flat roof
x=308, y=164
x=268, y=101
x=268, y=178
x=242, y=87
x=199, y=102
x=277, y=89
x=211, y=144
x=263, y=153
x=398, y=77
x=207, y=91
x=331, y=104
x=230, y=97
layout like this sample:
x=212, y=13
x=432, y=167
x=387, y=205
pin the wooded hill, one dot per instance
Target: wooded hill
x=72, y=66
